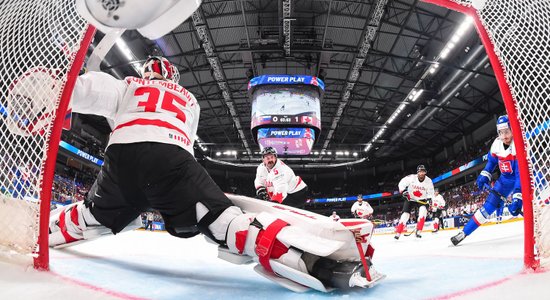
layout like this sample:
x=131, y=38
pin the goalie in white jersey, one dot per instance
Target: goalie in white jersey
x=275, y=181
x=417, y=190
x=149, y=164
x=361, y=209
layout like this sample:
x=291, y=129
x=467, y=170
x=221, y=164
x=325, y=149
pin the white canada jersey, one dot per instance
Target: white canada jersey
x=335, y=218
x=142, y=110
x=362, y=210
x=279, y=181
x=417, y=190
x=437, y=203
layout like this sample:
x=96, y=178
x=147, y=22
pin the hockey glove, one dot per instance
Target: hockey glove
x=405, y=195
x=261, y=193
x=483, y=180
x=516, y=205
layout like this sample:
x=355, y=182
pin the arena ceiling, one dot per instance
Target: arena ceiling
x=391, y=92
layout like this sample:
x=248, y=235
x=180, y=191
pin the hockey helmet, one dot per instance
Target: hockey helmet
x=421, y=167
x=503, y=123
x=268, y=150
x=160, y=66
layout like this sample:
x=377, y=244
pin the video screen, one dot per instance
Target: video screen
x=286, y=104
x=287, y=141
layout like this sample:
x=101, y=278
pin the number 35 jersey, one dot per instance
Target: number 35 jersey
x=141, y=110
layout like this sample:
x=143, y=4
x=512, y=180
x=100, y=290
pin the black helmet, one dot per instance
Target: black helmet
x=421, y=167
x=268, y=150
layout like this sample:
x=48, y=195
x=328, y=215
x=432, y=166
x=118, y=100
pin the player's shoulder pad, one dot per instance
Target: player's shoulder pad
x=496, y=146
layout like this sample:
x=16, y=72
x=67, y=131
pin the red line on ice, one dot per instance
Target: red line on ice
x=97, y=288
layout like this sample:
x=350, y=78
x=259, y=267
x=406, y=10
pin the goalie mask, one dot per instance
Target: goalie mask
x=157, y=67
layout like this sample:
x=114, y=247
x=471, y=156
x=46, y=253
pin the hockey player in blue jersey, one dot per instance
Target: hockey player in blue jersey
x=503, y=155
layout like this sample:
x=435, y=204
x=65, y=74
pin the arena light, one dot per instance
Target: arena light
x=217, y=71
x=329, y=153
x=415, y=94
x=218, y=153
x=316, y=152
x=415, y=97
x=346, y=153
x=355, y=154
x=123, y=47
x=353, y=74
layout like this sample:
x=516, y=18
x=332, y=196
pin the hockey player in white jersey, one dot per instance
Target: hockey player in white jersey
x=436, y=207
x=361, y=209
x=335, y=217
x=149, y=164
x=275, y=181
x=417, y=190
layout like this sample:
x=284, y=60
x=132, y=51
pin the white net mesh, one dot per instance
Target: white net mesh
x=38, y=44
x=520, y=33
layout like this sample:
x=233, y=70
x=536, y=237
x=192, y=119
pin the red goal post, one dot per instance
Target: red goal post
x=516, y=39
x=43, y=44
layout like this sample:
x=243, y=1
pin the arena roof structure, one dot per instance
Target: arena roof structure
x=403, y=78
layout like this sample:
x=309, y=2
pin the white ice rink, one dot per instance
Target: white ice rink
x=154, y=265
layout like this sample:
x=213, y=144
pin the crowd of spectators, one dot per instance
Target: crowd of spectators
x=67, y=190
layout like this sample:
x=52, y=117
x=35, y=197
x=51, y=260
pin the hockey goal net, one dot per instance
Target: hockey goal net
x=516, y=35
x=43, y=44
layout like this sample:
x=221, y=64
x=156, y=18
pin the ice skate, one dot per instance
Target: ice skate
x=418, y=234
x=458, y=238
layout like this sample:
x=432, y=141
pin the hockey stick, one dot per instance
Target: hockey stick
x=362, y=255
x=409, y=233
x=499, y=195
x=101, y=50
x=422, y=202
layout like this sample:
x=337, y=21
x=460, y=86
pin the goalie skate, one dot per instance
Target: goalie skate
x=358, y=278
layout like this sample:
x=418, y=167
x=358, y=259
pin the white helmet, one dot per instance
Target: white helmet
x=161, y=66
x=152, y=18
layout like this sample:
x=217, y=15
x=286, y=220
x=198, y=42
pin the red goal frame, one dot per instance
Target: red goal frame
x=41, y=261
x=529, y=261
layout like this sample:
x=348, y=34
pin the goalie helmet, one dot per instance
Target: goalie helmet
x=161, y=66
x=268, y=150
x=503, y=123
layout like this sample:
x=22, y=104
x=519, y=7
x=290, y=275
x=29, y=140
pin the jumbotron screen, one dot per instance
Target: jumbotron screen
x=285, y=99
x=287, y=141
x=289, y=102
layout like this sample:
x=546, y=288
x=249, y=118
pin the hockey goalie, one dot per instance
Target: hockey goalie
x=149, y=163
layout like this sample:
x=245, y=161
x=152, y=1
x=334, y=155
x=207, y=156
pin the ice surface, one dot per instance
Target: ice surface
x=154, y=265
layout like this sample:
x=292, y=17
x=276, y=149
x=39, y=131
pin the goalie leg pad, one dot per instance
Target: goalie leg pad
x=68, y=223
